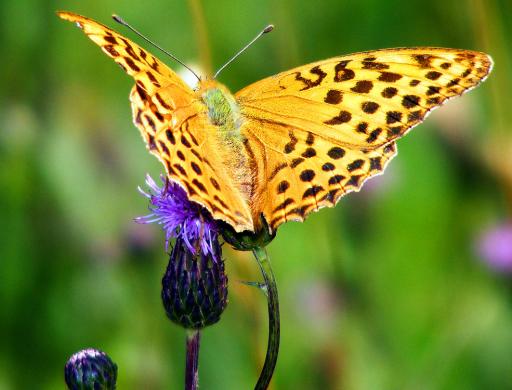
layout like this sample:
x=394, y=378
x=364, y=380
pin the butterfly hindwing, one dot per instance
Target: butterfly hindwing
x=313, y=172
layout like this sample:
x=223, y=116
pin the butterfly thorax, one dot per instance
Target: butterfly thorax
x=223, y=113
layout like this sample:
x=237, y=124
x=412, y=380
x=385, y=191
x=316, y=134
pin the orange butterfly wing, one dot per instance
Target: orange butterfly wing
x=320, y=130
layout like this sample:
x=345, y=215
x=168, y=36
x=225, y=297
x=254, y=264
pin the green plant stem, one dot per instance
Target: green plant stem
x=274, y=326
x=192, y=362
x=201, y=35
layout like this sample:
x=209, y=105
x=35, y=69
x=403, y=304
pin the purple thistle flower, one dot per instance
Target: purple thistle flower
x=495, y=247
x=179, y=217
x=90, y=369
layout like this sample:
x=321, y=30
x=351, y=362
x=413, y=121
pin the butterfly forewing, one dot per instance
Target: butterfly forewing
x=326, y=127
x=134, y=60
x=174, y=125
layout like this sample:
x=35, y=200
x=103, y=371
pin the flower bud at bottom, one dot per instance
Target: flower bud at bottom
x=194, y=287
x=90, y=369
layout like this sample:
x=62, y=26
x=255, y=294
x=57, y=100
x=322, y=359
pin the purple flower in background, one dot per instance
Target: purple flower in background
x=179, y=217
x=90, y=369
x=495, y=247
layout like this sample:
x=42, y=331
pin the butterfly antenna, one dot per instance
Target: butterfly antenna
x=267, y=29
x=119, y=20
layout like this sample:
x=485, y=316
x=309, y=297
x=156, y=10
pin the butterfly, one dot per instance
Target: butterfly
x=292, y=143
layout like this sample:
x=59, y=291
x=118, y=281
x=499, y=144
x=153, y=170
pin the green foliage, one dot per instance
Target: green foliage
x=383, y=292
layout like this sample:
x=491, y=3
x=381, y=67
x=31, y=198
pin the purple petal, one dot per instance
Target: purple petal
x=178, y=216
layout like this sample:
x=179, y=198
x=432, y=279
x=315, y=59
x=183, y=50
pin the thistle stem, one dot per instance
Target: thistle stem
x=201, y=35
x=267, y=371
x=192, y=363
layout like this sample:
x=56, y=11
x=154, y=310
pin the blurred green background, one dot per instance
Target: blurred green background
x=386, y=291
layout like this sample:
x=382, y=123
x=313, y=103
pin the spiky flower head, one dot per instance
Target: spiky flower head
x=179, y=217
x=90, y=369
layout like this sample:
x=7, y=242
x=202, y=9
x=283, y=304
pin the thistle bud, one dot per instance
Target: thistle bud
x=90, y=369
x=194, y=287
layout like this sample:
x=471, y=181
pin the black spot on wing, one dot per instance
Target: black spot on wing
x=370, y=107
x=196, y=168
x=333, y=97
x=356, y=164
x=308, y=153
x=423, y=60
x=433, y=75
x=282, y=187
x=362, y=86
x=170, y=136
x=410, y=101
x=180, y=155
x=343, y=117
x=362, y=127
x=131, y=64
x=374, y=65
x=393, y=116
x=328, y=167
x=307, y=175
x=389, y=77
x=296, y=161
x=285, y=204
x=336, y=179
x=389, y=92
x=374, y=135
x=312, y=191
x=341, y=73
x=375, y=164
x=336, y=153
x=433, y=90
x=310, y=83
x=111, y=50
